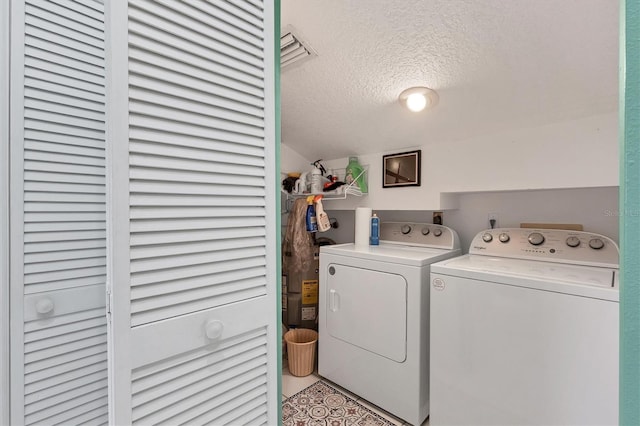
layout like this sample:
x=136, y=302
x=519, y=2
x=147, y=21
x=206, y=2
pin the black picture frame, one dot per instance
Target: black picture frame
x=401, y=169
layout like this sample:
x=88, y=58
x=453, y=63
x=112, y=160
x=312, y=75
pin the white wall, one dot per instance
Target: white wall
x=559, y=173
x=573, y=154
x=291, y=161
x=594, y=208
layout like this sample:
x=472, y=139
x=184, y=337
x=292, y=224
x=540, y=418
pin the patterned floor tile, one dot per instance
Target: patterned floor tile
x=389, y=417
x=321, y=404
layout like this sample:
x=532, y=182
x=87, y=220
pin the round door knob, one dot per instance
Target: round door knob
x=487, y=237
x=437, y=232
x=596, y=243
x=536, y=238
x=405, y=229
x=44, y=306
x=425, y=231
x=573, y=241
x=504, y=237
x=213, y=329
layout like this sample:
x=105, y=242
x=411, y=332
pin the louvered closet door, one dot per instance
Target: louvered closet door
x=58, y=251
x=195, y=314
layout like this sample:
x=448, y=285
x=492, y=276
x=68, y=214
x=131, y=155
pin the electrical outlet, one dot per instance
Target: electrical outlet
x=493, y=220
x=437, y=218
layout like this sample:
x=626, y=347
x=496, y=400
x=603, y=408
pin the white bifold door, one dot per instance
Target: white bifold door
x=58, y=344
x=191, y=112
x=142, y=212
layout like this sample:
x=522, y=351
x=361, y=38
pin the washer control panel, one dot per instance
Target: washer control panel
x=552, y=245
x=419, y=234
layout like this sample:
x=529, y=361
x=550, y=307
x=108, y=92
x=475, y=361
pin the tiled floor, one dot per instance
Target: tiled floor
x=292, y=385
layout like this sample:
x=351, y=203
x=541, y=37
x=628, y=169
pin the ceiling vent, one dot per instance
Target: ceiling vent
x=293, y=49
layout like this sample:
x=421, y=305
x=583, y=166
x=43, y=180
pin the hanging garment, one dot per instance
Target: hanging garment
x=298, y=245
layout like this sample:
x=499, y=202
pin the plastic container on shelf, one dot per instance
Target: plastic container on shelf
x=340, y=193
x=317, y=182
x=301, y=184
x=322, y=218
x=355, y=172
x=311, y=220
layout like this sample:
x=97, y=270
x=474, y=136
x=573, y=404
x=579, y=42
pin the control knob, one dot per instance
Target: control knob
x=437, y=232
x=425, y=230
x=487, y=237
x=573, y=241
x=504, y=237
x=596, y=243
x=405, y=229
x=536, y=238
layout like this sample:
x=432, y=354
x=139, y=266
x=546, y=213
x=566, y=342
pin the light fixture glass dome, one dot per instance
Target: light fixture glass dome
x=418, y=98
x=416, y=102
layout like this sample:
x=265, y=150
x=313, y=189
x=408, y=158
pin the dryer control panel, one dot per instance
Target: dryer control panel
x=551, y=245
x=419, y=234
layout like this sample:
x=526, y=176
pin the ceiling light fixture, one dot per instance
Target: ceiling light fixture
x=418, y=98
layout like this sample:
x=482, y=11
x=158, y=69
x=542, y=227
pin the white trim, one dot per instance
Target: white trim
x=5, y=49
x=16, y=210
x=271, y=192
x=117, y=170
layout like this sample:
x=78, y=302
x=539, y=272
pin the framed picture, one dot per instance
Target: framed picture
x=401, y=169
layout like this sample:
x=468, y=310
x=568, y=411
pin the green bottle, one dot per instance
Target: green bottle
x=354, y=172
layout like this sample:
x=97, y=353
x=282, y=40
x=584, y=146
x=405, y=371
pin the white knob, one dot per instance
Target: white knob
x=44, y=306
x=213, y=329
x=573, y=241
x=504, y=237
x=437, y=232
x=425, y=231
x=405, y=229
x=596, y=243
x=487, y=237
x=536, y=238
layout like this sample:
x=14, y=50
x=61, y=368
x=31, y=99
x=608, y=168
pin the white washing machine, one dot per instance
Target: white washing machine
x=524, y=331
x=374, y=315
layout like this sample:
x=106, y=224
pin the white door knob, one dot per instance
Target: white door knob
x=213, y=329
x=44, y=306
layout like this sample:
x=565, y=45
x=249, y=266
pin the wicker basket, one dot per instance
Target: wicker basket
x=301, y=350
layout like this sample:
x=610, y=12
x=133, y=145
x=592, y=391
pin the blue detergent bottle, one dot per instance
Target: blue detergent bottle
x=311, y=220
x=374, y=238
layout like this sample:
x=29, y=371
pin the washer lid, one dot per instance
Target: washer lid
x=392, y=253
x=588, y=281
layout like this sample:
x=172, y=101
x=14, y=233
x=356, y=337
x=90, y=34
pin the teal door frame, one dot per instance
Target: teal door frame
x=276, y=20
x=630, y=212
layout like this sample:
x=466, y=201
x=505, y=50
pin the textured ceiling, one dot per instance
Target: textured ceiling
x=496, y=65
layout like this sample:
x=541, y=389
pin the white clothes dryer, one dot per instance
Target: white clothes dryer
x=374, y=315
x=524, y=330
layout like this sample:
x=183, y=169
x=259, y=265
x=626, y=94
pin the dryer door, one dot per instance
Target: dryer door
x=368, y=309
